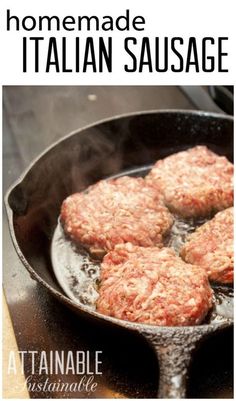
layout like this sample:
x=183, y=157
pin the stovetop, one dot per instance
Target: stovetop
x=33, y=118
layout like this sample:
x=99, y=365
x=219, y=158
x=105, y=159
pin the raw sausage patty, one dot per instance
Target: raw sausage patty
x=211, y=246
x=153, y=286
x=194, y=182
x=116, y=211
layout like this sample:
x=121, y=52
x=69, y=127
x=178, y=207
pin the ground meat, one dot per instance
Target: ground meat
x=194, y=182
x=116, y=211
x=153, y=286
x=211, y=246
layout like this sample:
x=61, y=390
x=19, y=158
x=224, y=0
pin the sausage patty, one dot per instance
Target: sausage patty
x=153, y=286
x=116, y=211
x=211, y=246
x=194, y=182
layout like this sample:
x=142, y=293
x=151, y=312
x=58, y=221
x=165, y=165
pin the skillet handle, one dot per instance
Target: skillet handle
x=173, y=350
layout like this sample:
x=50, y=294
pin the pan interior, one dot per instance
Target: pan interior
x=79, y=274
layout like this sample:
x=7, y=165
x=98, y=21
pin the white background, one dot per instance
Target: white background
x=163, y=18
x=170, y=18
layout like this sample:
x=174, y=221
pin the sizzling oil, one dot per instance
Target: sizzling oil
x=79, y=275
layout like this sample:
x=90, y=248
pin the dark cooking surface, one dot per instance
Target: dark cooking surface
x=34, y=118
x=78, y=273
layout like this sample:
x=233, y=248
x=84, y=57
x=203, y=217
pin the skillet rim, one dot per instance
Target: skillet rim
x=65, y=299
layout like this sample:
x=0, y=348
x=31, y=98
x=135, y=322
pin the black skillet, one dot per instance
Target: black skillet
x=82, y=158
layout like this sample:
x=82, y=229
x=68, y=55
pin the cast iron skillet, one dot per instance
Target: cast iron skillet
x=82, y=158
